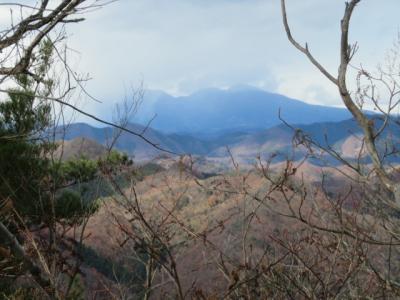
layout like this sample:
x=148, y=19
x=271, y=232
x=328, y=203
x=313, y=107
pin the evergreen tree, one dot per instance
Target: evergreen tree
x=36, y=191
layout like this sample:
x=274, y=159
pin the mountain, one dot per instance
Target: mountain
x=244, y=120
x=243, y=146
x=343, y=137
x=215, y=111
x=80, y=146
x=132, y=144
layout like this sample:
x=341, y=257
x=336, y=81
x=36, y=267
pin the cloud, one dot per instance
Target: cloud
x=184, y=45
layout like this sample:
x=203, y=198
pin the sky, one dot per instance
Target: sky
x=181, y=46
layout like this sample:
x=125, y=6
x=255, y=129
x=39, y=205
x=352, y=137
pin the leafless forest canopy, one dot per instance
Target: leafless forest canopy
x=125, y=211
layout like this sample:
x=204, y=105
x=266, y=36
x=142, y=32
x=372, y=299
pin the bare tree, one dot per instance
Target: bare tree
x=389, y=81
x=34, y=66
x=334, y=243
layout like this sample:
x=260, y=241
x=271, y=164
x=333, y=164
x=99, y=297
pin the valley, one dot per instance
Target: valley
x=222, y=208
x=202, y=150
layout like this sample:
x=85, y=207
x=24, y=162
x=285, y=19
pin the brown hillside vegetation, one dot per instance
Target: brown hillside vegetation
x=80, y=147
x=232, y=231
x=240, y=195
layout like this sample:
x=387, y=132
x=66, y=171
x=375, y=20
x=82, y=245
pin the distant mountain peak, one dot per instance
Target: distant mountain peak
x=241, y=107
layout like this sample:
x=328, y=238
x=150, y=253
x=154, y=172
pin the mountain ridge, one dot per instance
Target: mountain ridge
x=236, y=109
x=246, y=145
x=344, y=137
x=193, y=126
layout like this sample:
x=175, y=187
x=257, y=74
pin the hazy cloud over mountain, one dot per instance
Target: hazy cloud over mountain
x=181, y=46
